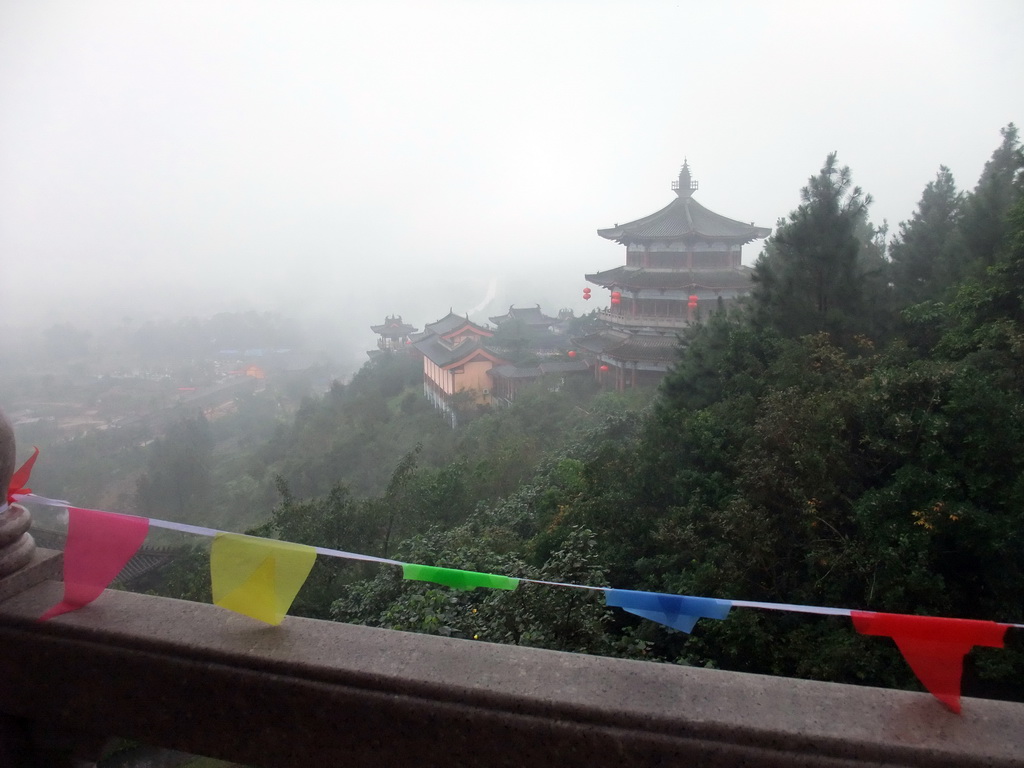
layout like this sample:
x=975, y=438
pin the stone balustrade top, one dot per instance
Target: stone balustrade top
x=200, y=679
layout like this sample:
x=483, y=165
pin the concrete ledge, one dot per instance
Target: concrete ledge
x=45, y=564
x=196, y=678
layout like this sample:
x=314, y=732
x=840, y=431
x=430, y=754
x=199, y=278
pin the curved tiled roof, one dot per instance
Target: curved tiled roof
x=452, y=322
x=684, y=218
x=393, y=326
x=532, y=372
x=564, y=366
x=437, y=351
x=526, y=315
x=632, y=347
x=638, y=278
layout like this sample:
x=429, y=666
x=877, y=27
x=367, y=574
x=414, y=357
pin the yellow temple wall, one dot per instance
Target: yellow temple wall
x=443, y=379
x=474, y=376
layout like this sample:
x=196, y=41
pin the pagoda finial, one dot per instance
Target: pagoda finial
x=684, y=186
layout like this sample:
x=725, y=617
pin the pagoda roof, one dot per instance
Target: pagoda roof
x=515, y=372
x=393, y=326
x=638, y=278
x=684, y=219
x=536, y=371
x=565, y=366
x=526, y=315
x=632, y=347
x=452, y=324
x=445, y=355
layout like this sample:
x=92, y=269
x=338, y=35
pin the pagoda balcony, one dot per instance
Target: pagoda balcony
x=196, y=678
x=642, y=321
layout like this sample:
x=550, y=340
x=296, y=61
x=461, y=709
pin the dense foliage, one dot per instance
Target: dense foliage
x=854, y=436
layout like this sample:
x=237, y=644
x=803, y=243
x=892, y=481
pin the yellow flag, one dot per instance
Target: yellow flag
x=258, y=577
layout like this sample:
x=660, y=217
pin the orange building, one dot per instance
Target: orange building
x=456, y=360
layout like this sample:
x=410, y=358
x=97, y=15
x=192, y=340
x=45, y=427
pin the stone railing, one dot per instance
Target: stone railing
x=199, y=679
x=16, y=543
x=643, y=321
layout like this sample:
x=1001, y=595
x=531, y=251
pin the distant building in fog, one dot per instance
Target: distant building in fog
x=529, y=317
x=682, y=263
x=464, y=360
x=394, y=335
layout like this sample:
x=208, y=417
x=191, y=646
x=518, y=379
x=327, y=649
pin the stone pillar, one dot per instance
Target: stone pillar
x=24, y=744
x=7, y=454
x=16, y=544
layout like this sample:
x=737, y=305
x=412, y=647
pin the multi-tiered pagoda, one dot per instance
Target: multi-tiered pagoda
x=682, y=263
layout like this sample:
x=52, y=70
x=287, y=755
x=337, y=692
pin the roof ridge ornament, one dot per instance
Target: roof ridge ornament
x=684, y=186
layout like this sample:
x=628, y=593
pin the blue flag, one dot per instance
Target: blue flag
x=677, y=611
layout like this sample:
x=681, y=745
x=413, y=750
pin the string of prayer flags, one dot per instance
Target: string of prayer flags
x=19, y=479
x=934, y=647
x=99, y=544
x=453, y=577
x=258, y=577
x=677, y=611
x=261, y=578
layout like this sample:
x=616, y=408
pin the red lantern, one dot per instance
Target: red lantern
x=693, y=302
x=586, y=296
x=616, y=297
x=586, y=291
x=572, y=353
x=603, y=369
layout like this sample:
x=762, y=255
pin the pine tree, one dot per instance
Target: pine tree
x=928, y=251
x=812, y=275
x=985, y=226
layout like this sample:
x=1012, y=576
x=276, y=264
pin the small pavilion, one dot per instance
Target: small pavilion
x=394, y=334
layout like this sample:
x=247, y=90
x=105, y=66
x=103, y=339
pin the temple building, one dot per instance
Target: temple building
x=394, y=335
x=529, y=317
x=682, y=263
x=456, y=360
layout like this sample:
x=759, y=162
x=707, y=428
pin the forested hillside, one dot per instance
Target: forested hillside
x=853, y=437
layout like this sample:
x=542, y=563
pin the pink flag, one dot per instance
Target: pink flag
x=933, y=647
x=99, y=545
x=20, y=478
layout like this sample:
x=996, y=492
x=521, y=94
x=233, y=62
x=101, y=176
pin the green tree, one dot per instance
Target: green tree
x=928, y=252
x=985, y=321
x=813, y=273
x=985, y=226
x=177, y=482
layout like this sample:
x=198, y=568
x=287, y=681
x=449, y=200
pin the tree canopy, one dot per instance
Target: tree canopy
x=853, y=436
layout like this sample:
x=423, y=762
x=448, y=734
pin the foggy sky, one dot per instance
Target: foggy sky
x=363, y=159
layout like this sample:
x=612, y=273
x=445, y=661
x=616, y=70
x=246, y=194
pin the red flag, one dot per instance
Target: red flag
x=99, y=545
x=933, y=647
x=19, y=478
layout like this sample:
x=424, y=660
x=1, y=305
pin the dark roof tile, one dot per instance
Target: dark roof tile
x=633, y=347
x=638, y=278
x=684, y=218
x=527, y=315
